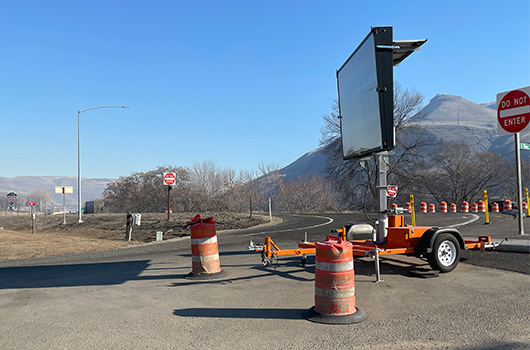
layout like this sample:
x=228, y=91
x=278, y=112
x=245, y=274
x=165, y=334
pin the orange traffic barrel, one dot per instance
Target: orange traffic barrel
x=525, y=206
x=481, y=206
x=464, y=208
x=423, y=207
x=474, y=208
x=443, y=207
x=432, y=208
x=334, y=284
x=495, y=207
x=394, y=205
x=452, y=208
x=408, y=207
x=507, y=205
x=204, y=251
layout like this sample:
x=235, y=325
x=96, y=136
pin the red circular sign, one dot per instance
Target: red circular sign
x=169, y=179
x=31, y=204
x=513, y=111
x=391, y=191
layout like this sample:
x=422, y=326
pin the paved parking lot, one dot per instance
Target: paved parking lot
x=139, y=299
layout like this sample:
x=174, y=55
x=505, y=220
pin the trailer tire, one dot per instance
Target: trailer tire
x=445, y=254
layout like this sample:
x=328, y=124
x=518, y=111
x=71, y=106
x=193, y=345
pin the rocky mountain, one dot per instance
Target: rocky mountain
x=446, y=118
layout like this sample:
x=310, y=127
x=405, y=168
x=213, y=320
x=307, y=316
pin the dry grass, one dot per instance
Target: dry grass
x=98, y=232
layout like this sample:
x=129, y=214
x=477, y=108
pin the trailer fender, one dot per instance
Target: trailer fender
x=426, y=241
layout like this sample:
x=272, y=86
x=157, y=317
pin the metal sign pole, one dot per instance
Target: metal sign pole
x=519, y=184
x=64, y=206
x=168, y=201
x=382, y=217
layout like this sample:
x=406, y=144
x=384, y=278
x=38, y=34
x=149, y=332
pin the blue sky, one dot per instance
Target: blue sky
x=235, y=82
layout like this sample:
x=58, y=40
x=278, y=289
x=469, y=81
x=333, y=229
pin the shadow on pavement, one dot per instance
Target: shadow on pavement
x=71, y=275
x=244, y=313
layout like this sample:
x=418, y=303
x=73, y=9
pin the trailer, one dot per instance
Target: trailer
x=440, y=246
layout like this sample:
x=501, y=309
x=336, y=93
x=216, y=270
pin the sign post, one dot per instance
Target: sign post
x=31, y=204
x=513, y=115
x=64, y=190
x=169, y=180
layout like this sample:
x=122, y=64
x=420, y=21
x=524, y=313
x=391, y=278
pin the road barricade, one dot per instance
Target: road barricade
x=334, y=284
x=204, y=250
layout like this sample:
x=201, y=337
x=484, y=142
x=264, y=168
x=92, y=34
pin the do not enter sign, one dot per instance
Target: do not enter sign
x=513, y=110
x=169, y=179
x=391, y=191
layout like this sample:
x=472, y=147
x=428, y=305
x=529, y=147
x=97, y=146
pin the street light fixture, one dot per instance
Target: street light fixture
x=79, y=153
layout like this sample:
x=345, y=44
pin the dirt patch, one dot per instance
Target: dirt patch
x=99, y=232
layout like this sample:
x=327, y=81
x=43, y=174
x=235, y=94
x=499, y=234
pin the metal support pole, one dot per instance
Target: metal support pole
x=64, y=207
x=168, y=201
x=382, y=217
x=270, y=210
x=519, y=185
x=79, y=166
x=250, y=199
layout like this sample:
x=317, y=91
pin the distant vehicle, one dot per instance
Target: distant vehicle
x=164, y=210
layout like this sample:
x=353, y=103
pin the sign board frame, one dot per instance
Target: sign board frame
x=392, y=191
x=513, y=111
x=365, y=94
x=169, y=179
x=64, y=189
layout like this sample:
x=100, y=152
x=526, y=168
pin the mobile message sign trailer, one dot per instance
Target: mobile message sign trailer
x=365, y=91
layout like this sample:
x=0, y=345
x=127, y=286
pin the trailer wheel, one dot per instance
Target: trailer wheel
x=445, y=253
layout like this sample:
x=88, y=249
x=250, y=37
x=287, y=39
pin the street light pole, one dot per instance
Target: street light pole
x=79, y=154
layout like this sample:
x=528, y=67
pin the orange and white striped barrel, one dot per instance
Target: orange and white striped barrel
x=408, y=207
x=432, y=208
x=464, y=208
x=394, y=205
x=443, y=207
x=495, y=207
x=334, y=284
x=334, y=277
x=507, y=205
x=204, y=250
x=423, y=207
x=525, y=206
x=452, y=208
x=474, y=208
x=481, y=206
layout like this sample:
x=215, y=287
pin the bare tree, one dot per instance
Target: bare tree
x=456, y=174
x=357, y=181
x=145, y=191
x=307, y=195
x=41, y=198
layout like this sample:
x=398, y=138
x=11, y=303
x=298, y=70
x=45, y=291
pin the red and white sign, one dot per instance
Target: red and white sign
x=169, y=179
x=513, y=110
x=31, y=204
x=391, y=191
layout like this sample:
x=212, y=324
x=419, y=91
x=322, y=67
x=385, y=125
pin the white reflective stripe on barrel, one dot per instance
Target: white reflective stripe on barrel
x=324, y=266
x=335, y=293
x=204, y=258
x=206, y=240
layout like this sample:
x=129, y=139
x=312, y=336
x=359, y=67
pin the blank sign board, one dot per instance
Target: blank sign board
x=365, y=89
x=64, y=189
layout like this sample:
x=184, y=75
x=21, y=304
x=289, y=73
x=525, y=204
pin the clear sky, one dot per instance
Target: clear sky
x=235, y=82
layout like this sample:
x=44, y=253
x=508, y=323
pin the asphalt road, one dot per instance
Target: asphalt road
x=139, y=299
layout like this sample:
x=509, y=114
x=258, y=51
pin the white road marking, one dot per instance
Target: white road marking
x=330, y=220
x=473, y=219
